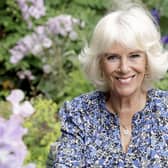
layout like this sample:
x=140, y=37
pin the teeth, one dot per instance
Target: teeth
x=125, y=81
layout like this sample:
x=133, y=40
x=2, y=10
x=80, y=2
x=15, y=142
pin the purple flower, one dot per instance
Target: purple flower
x=42, y=38
x=62, y=25
x=46, y=43
x=16, y=96
x=156, y=15
x=164, y=39
x=22, y=109
x=14, y=59
x=31, y=9
x=40, y=30
x=36, y=12
x=37, y=49
x=12, y=149
x=25, y=109
x=27, y=41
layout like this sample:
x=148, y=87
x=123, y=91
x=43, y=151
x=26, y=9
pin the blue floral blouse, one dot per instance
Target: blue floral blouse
x=91, y=135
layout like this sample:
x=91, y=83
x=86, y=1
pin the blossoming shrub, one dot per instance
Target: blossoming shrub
x=44, y=43
x=13, y=150
x=44, y=129
x=49, y=45
x=31, y=9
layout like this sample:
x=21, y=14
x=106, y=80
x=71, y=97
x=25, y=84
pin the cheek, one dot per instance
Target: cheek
x=107, y=69
x=108, y=72
x=141, y=67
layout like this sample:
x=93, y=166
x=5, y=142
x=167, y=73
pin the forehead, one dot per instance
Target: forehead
x=121, y=49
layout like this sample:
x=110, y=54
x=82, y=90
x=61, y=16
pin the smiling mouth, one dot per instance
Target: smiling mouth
x=125, y=80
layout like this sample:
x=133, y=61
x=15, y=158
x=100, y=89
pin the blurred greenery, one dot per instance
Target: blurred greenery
x=44, y=128
x=163, y=83
x=5, y=109
x=87, y=11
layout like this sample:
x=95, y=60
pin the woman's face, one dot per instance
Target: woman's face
x=124, y=69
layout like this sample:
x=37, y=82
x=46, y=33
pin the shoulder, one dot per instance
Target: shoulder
x=159, y=101
x=80, y=104
x=158, y=93
x=158, y=96
x=87, y=99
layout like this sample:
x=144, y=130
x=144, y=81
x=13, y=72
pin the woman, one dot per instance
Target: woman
x=125, y=122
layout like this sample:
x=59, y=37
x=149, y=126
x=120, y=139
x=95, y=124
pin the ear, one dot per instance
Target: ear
x=147, y=73
x=146, y=65
x=101, y=66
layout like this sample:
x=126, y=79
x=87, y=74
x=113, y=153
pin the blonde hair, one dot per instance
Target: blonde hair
x=133, y=27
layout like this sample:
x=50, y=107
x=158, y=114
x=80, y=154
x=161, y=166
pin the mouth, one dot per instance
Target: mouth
x=125, y=80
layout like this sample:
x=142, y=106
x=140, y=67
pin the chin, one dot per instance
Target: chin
x=125, y=92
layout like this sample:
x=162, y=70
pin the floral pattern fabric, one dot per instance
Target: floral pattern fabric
x=91, y=134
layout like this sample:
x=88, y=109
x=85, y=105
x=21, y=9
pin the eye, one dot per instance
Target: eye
x=135, y=56
x=112, y=57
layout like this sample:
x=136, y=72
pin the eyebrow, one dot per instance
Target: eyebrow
x=132, y=52
x=137, y=51
x=108, y=54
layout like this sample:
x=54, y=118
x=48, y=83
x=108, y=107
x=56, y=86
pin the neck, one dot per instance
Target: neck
x=126, y=106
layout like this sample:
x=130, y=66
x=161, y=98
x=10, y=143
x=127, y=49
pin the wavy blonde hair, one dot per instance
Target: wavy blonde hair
x=133, y=27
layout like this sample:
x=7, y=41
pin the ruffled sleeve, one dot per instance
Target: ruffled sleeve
x=70, y=149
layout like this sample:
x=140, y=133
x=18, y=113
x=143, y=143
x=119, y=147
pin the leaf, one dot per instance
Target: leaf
x=163, y=25
x=164, y=8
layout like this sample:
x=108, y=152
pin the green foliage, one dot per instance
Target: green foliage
x=5, y=109
x=12, y=26
x=44, y=129
x=10, y=16
x=88, y=11
x=62, y=62
x=162, y=7
x=16, y=28
x=163, y=83
x=75, y=85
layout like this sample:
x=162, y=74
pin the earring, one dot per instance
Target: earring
x=102, y=74
x=146, y=75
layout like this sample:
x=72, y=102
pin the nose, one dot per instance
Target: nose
x=124, y=65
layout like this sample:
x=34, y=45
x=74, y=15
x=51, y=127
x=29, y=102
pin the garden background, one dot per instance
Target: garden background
x=39, y=69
